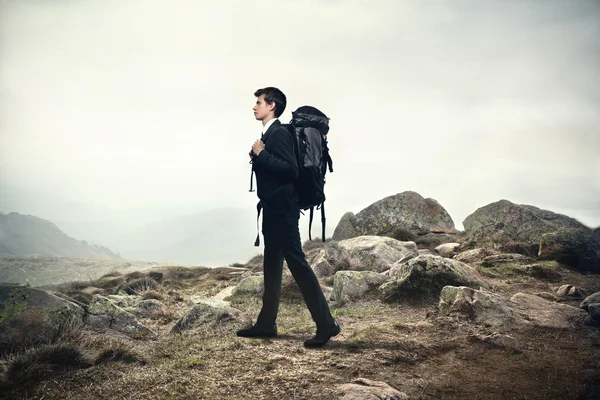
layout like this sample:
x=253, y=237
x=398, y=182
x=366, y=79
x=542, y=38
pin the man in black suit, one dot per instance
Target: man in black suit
x=275, y=164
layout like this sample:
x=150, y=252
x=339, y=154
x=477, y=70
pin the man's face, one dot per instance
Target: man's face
x=262, y=109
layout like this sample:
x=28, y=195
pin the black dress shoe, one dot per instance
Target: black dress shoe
x=321, y=338
x=258, y=332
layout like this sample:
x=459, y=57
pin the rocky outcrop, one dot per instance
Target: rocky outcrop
x=31, y=316
x=366, y=389
x=494, y=310
x=520, y=223
x=363, y=253
x=404, y=216
x=577, y=248
x=427, y=275
x=354, y=285
x=103, y=314
x=206, y=313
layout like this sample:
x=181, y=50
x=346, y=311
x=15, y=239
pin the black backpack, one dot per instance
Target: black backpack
x=310, y=127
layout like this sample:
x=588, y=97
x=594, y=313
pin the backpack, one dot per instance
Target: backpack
x=310, y=126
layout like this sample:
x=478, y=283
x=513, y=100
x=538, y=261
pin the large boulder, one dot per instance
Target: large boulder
x=366, y=389
x=206, y=313
x=494, y=310
x=577, y=248
x=520, y=223
x=103, y=314
x=447, y=250
x=31, y=316
x=363, y=253
x=591, y=304
x=354, y=285
x=404, y=216
x=427, y=275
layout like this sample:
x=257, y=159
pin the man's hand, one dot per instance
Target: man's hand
x=257, y=147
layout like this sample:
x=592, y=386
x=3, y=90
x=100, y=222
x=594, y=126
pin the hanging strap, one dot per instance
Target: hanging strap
x=258, y=208
x=323, y=222
x=251, y=175
x=310, y=223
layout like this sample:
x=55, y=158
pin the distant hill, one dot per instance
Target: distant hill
x=216, y=237
x=27, y=234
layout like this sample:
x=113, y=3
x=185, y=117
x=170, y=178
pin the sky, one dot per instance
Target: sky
x=127, y=104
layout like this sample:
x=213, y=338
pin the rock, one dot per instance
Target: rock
x=544, y=313
x=345, y=228
x=447, y=250
x=252, y=285
x=424, y=251
x=104, y=314
x=31, y=316
x=593, y=298
x=594, y=311
x=504, y=259
x=521, y=223
x=403, y=216
x=124, y=300
x=501, y=341
x=495, y=310
x=206, y=313
x=577, y=248
x=91, y=290
x=225, y=293
x=570, y=291
x=428, y=274
x=366, y=389
x=472, y=256
x=363, y=253
x=480, y=306
x=353, y=285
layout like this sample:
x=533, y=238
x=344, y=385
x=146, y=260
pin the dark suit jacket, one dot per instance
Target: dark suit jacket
x=276, y=169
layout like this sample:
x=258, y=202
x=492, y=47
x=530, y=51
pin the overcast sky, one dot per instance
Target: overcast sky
x=131, y=103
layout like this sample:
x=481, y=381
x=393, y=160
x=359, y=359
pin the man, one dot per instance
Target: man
x=275, y=164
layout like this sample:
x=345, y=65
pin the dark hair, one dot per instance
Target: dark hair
x=273, y=95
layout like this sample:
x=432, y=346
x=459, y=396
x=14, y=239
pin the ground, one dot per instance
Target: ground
x=409, y=346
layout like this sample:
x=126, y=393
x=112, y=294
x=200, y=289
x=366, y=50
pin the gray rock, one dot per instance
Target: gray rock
x=521, y=223
x=570, y=291
x=403, y=216
x=447, y=250
x=353, y=285
x=577, y=248
x=594, y=310
x=206, y=313
x=593, y=298
x=428, y=274
x=345, y=228
x=472, y=256
x=252, y=285
x=104, y=314
x=363, y=253
x=545, y=313
x=31, y=316
x=480, y=306
x=501, y=341
x=495, y=310
x=366, y=389
x=124, y=300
